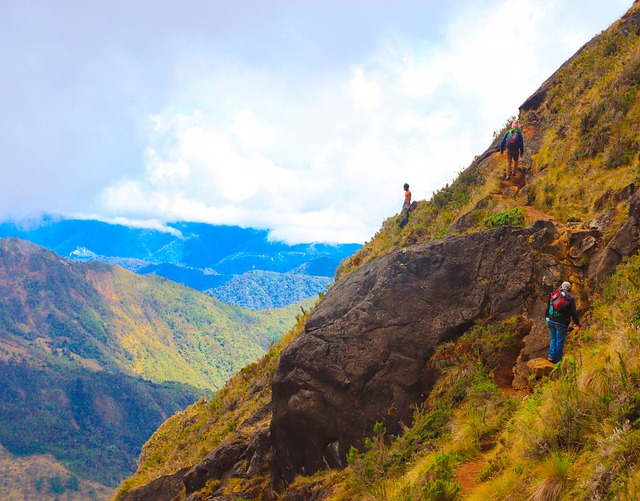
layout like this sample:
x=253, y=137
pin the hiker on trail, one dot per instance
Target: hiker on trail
x=514, y=144
x=561, y=309
x=407, y=197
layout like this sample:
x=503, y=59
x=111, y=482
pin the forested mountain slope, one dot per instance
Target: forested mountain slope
x=422, y=374
x=94, y=358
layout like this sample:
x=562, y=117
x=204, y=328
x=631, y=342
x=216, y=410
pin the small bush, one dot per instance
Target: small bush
x=437, y=483
x=371, y=466
x=494, y=467
x=511, y=217
x=623, y=152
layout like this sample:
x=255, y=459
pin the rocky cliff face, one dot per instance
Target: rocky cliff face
x=361, y=357
x=363, y=353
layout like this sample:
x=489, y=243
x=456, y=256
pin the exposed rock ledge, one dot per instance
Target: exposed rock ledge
x=362, y=354
x=361, y=357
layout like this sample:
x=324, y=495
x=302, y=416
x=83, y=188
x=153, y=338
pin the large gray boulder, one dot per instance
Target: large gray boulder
x=362, y=354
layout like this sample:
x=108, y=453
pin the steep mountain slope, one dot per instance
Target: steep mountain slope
x=108, y=318
x=93, y=358
x=201, y=256
x=422, y=374
x=378, y=329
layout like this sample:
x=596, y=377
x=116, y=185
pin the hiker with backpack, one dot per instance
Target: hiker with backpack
x=561, y=309
x=513, y=143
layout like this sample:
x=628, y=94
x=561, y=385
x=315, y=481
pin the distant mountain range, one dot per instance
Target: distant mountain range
x=219, y=260
x=93, y=358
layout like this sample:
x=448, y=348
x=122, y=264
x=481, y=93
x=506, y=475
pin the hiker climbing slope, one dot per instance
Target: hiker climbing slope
x=513, y=142
x=561, y=309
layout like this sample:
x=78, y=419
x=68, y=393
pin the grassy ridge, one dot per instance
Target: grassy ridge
x=582, y=148
x=586, y=133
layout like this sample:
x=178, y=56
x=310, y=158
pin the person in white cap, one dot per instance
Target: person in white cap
x=561, y=309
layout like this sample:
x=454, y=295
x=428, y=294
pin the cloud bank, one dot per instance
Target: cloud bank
x=305, y=119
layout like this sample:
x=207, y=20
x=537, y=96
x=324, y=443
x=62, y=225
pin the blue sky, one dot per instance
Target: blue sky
x=304, y=117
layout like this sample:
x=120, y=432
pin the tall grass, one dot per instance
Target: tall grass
x=554, y=477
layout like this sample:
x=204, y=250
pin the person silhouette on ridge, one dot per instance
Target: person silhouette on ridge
x=513, y=142
x=407, y=197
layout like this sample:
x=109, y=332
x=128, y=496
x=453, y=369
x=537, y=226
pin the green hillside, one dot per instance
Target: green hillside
x=575, y=434
x=93, y=422
x=102, y=317
x=94, y=358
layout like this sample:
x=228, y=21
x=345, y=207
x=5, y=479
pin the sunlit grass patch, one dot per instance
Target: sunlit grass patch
x=554, y=475
x=507, y=486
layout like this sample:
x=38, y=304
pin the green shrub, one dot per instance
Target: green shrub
x=511, y=217
x=371, y=466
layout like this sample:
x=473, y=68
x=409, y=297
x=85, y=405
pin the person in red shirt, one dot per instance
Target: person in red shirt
x=407, y=197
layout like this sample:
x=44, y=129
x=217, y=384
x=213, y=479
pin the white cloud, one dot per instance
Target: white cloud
x=305, y=119
x=252, y=134
x=365, y=92
x=412, y=111
x=151, y=224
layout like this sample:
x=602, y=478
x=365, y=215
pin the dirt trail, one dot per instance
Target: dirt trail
x=467, y=473
x=518, y=181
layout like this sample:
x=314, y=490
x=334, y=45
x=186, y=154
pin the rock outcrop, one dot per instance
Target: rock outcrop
x=164, y=488
x=361, y=357
x=363, y=353
x=626, y=242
